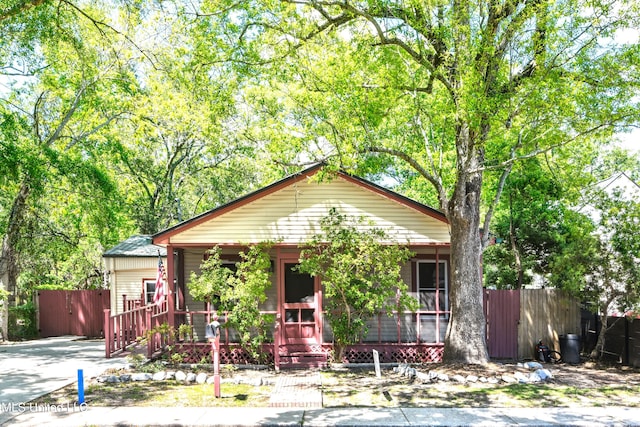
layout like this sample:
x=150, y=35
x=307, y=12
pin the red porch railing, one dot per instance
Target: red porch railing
x=123, y=329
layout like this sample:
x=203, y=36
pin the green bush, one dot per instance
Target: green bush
x=22, y=322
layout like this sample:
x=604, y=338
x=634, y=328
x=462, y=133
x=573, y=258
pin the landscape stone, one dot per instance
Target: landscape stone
x=159, y=376
x=425, y=378
x=125, y=378
x=191, y=377
x=472, y=378
x=459, y=379
x=180, y=376
x=508, y=379
x=141, y=376
x=533, y=365
x=113, y=379
x=443, y=377
x=256, y=382
x=201, y=378
x=520, y=377
x=543, y=374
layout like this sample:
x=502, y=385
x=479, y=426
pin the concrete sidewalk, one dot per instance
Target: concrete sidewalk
x=106, y=416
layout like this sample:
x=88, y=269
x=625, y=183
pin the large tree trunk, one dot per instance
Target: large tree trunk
x=8, y=259
x=466, y=339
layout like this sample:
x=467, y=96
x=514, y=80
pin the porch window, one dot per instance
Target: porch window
x=432, y=286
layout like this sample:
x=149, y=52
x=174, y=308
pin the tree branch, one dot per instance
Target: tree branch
x=19, y=8
x=417, y=166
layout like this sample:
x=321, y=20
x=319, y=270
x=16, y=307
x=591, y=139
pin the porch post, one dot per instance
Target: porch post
x=171, y=298
x=108, y=335
x=276, y=343
x=148, y=327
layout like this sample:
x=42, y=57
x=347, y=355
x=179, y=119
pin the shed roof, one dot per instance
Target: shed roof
x=136, y=246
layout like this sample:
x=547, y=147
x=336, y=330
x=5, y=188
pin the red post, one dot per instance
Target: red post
x=147, y=329
x=108, y=334
x=276, y=343
x=171, y=298
x=213, y=334
x=216, y=365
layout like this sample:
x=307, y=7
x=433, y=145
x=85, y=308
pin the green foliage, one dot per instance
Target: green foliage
x=536, y=230
x=360, y=271
x=23, y=323
x=238, y=293
x=614, y=282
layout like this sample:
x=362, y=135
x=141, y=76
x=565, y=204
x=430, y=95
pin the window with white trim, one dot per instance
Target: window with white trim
x=149, y=287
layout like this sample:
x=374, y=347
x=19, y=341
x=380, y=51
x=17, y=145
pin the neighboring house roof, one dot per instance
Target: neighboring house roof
x=136, y=246
x=622, y=182
x=288, y=211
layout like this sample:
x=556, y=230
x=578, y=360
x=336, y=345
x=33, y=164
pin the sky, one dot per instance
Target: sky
x=631, y=141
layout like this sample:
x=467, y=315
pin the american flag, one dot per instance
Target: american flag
x=158, y=296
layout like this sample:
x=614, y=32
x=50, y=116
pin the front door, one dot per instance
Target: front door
x=300, y=307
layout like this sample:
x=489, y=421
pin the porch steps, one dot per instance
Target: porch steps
x=297, y=389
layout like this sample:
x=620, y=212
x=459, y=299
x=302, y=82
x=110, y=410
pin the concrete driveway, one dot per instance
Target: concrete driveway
x=31, y=369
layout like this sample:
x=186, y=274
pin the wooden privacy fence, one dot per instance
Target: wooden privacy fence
x=73, y=312
x=516, y=320
x=622, y=339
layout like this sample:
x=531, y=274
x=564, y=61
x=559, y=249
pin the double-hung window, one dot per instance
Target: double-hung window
x=149, y=290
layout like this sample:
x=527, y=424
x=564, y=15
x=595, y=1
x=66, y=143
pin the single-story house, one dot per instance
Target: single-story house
x=288, y=212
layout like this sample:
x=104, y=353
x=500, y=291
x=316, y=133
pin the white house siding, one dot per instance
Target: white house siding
x=291, y=215
x=126, y=275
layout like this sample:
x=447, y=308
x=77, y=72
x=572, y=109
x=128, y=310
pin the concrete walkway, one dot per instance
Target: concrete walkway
x=301, y=390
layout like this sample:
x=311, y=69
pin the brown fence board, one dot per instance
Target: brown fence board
x=77, y=312
x=502, y=312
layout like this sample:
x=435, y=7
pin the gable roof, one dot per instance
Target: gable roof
x=285, y=207
x=136, y=246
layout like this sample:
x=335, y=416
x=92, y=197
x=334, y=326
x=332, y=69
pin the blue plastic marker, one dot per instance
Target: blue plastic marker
x=80, y=387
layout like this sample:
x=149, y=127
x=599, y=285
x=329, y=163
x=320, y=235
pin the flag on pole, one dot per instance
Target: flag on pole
x=158, y=295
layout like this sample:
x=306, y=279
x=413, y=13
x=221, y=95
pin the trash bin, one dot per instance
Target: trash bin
x=570, y=348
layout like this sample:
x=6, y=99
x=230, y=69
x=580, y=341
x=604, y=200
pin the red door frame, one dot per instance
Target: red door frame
x=316, y=305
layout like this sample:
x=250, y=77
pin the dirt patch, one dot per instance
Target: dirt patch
x=580, y=376
x=571, y=386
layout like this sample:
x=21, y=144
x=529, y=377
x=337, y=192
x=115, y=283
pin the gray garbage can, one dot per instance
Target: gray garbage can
x=570, y=348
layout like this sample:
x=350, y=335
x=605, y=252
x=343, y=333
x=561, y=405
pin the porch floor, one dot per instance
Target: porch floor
x=297, y=390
